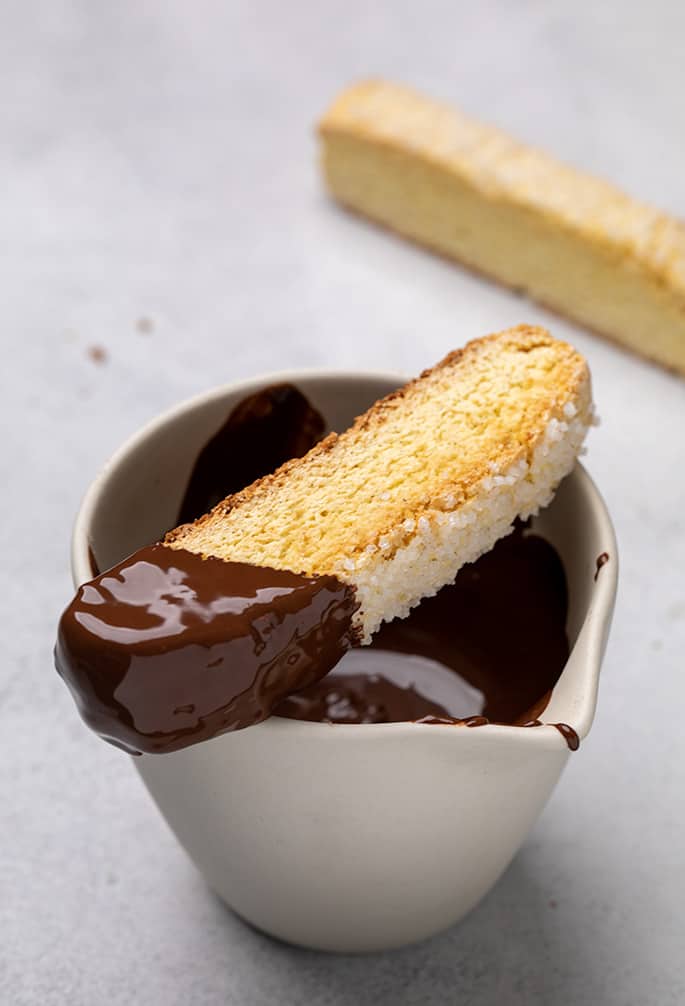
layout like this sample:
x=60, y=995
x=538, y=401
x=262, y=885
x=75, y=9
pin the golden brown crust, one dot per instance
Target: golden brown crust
x=523, y=338
x=424, y=481
x=413, y=165
x=480, y=273
x=373, y=416
x=376, y=110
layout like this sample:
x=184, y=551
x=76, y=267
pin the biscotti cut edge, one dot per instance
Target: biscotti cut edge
x=571, y=241
x=440, y=542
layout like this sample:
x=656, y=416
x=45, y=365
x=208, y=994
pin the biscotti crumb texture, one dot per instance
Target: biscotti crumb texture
x=426, y=480
x=571, y=241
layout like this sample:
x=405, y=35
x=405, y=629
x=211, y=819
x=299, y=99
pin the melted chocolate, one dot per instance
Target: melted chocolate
x=357, y=698
x=602, y=560
x=167, y=648
x=569, y=735
x=466, y=721
x=262, y=432
x=498, y=633
x=92, y=561
x=567, y=732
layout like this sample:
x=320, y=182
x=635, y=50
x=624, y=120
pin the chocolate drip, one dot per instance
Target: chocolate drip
x=439, y=720
x=167, y=648
x=92, y=561
x=569, y=735
x=567, y=732
x=466, y=721
x=261, y=433
x=475, y=721
x=602, y=560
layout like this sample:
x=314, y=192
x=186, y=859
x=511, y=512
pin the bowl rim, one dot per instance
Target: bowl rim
x=593, y=631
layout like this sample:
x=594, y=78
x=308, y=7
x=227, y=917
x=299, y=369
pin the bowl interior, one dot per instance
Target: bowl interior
x=136, y=498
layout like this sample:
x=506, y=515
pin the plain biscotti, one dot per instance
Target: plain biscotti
x=426, y=480
x=469, y=191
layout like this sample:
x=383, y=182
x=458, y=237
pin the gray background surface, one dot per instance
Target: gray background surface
x=157, y=161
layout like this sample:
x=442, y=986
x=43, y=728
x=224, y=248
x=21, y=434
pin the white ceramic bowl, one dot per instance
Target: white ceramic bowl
x=352, y=837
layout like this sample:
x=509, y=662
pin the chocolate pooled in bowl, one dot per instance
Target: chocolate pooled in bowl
x=495, y=640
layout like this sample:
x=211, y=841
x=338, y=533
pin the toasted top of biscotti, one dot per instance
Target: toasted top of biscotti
x=499, y=421
x=502, y=169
